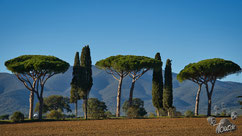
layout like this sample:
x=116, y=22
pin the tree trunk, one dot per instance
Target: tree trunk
x=197, y=99
x=31, y=104
x=157, y=112
x=209, y=106
x=209, y=94
x=169, y=113
x=40, y=107
x=76, y=110
x=131, y=93
x=119, y=96
x=85, y=108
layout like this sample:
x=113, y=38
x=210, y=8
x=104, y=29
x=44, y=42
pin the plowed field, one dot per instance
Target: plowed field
x=122, y=127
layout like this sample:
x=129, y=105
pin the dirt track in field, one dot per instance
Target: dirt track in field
x=122, y=127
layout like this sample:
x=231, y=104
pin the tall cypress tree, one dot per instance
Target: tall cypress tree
x=75, y=83
x=168, y=91
x=157, y=86
x=86, y=77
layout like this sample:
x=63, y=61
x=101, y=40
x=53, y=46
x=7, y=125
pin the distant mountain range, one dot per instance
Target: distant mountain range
x=14, y=96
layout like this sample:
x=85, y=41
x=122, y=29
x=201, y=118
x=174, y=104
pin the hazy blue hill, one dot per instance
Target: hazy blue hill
x=14, y=96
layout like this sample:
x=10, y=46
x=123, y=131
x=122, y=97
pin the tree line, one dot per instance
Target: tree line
x=34, y=71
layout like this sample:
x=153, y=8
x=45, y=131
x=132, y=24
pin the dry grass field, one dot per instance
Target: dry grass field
x=122, y=127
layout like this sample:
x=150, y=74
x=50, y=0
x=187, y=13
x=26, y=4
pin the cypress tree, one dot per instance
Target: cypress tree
x=157, y=86
x=86, y=77
x=167, y=93
x=75, y=83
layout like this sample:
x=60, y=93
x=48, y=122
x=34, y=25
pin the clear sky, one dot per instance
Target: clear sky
x=183, y=30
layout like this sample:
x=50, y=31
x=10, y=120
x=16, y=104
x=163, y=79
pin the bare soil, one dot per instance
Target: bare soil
x=122, y=127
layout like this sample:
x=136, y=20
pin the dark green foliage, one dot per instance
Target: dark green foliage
x=178, y=114
x=217, y=68
x=86, y=72
x=5, y=116
x=45, y=107
x=69, y=116
x=96, y=108
x=168, y=90
x=55, y=102
x=27, y=63
x=151, y=115
x=55, y=114
x=86, y=77
x=108, y=114
x=190, y=72
x=162, y=112
x=173, y=112
x=136, y=110
x=17, y=117
x=132, y=112
x=75, y=83
x=127, y=63
x=157, y=85
x=188, y=113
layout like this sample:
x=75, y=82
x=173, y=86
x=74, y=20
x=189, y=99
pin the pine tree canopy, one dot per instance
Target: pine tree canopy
x=127, y=63
x=216, y=68
x=30, y=63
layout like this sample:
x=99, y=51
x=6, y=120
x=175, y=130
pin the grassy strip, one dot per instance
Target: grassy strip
x=112, y=118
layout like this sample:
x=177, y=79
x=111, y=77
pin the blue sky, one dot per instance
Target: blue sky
x=183, y=30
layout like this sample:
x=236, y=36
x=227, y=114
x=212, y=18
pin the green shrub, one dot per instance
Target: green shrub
x=70, y=116
x=132, y=112
x=173, y=112
x=178, y=114
x=54, y=102
x=188, y=113
x=108, y=114
x=96, y=109
x=17, y=117
x=55, y=114
x=223, y=113
x=5, y=116
x=136, y=110
x=162, y=112
x=151, y=115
